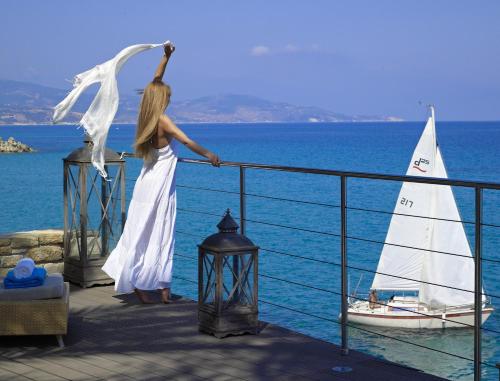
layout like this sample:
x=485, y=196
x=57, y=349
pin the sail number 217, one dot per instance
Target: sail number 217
x=406, y=202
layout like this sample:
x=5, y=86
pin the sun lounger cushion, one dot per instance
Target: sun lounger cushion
x=53, y=287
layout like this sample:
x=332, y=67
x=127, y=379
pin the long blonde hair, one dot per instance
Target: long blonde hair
x=154, y=101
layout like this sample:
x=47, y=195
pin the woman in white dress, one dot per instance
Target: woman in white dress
x=142, y=259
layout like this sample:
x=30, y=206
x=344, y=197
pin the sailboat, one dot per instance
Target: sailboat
x=420, y=273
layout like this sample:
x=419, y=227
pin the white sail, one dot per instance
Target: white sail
x=450, y=237
x=414, y=199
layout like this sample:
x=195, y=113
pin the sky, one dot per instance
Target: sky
x=354, y=57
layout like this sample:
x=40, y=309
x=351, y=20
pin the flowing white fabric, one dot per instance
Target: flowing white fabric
x=143, y=257
x=24, y=268
x=101, y=112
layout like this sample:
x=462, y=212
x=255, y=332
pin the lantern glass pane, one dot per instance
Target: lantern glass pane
x=73, y=210
x=238, y=280
x=209, y=277
x=102, y=201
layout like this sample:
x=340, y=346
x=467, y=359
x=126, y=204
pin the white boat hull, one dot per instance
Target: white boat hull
x=399, y=315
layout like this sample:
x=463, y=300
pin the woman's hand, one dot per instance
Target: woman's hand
x=214, y=159
x=168, y=48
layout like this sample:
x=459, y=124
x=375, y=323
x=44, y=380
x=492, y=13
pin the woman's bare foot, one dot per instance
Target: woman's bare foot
x=143, y=296
x=165, y=295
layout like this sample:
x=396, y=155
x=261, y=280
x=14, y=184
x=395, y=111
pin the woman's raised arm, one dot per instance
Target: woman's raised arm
x=172, y=130
x=169, y=49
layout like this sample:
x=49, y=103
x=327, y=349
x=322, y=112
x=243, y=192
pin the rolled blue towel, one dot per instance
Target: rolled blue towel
x=36, y=278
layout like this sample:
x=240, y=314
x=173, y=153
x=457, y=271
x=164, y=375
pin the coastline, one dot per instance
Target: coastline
x=261, y=122
x=230, y=123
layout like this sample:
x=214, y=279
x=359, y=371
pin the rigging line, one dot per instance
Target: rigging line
x=378, y=303
x=372, y=332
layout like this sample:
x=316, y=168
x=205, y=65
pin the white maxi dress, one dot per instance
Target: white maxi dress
x=143, y=257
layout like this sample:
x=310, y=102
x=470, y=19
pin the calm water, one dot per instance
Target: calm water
x=31, y=198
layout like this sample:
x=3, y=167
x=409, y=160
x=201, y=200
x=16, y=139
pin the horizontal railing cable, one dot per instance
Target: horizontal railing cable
x=372, y=332
x=207, y=189
x=331, y=205
x=353, y=267
x=408, y=215
x=417, y=216
x=477, y=186
x=184, y=279
x=338, y=235
x=263, y=223
x=292, y=200
x=190, y=257
x=331, y=172
x=417, y=248
x=376, y=272
x=377, y=302
x=189, y=234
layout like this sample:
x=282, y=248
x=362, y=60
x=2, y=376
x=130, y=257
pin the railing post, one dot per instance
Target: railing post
x=236, y=264
x=242, y=200
x=478, y=300
x=343, y=262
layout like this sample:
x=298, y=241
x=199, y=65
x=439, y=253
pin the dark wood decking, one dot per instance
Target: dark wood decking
x=115, y=338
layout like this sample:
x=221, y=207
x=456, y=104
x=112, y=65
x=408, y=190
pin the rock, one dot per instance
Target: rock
x=23, y=239
x=5, y=250
x=22, y=250
x=12, y=145
x=45, y=253
x=4, y=240
x=10, y=260
x=50, y=236
x=54, y=267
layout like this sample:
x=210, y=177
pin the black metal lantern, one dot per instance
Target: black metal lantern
x=94, y=214
x=227, y=282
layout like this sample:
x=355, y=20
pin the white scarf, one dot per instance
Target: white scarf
x=101, y=112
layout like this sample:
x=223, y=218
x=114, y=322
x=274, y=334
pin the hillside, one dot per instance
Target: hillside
x=28, y=103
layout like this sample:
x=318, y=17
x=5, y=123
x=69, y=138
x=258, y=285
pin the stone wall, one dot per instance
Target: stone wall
x=45, y=247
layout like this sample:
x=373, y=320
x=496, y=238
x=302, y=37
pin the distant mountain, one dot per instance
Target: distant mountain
x=27, y=103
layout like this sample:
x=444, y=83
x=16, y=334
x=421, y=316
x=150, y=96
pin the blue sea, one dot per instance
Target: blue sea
x=31, y=197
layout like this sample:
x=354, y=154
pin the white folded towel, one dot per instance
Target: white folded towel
x=24, y=268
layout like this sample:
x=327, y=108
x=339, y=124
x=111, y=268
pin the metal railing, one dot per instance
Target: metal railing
x=343, y=176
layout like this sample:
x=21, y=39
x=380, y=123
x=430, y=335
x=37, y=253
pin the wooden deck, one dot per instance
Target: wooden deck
x=115, y=338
